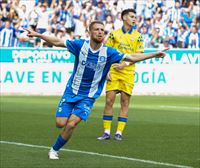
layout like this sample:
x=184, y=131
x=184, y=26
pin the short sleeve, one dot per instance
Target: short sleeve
x=115, y=55
x=74, y=46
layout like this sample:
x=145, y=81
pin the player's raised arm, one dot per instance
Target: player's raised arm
x=141, y=56
x=49, y=39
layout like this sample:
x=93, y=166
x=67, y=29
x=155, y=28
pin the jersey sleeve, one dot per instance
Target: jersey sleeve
x=115, y=55
x=140, y=44
x=73, y=46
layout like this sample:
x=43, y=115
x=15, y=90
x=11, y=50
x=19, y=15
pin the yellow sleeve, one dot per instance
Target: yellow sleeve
x=140, y=44
x=110, y=40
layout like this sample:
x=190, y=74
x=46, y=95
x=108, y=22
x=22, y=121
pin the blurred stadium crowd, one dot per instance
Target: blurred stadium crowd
x=169, y=23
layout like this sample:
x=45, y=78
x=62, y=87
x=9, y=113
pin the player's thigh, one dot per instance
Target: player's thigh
x=63, y=112
x=110, y=97
x=125, y=99
x=73, y=120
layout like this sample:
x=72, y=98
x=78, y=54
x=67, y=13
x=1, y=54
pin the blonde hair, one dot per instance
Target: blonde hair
x=95, y=22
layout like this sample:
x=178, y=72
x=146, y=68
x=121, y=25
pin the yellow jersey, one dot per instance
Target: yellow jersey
x=128, y=43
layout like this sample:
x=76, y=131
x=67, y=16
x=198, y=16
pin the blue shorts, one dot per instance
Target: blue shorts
x=77, y=105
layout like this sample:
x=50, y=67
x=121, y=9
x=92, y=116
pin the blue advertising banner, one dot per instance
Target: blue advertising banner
x=36, y=55
x=61, y=55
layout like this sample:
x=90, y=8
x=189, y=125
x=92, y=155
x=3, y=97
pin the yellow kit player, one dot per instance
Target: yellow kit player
x=121, y=76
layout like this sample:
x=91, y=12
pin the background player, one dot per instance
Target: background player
x=121, y=76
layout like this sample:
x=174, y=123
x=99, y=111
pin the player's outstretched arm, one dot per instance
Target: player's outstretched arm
x=49, y=39
x=140, y=56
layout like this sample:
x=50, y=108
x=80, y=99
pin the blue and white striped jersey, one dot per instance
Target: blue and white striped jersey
x=7, y=36
x=90, y=68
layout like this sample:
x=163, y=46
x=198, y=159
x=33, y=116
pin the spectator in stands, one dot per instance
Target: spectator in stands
x=146, y=36
x=140, y=7
x=43, y=19
x=69, y=20
x=175, y=14
x=156, y=39
x=7, y=35
x=13, y=15
x=4, y=10
x=23, y=15
x=109, y=24
x=77, y=4
x=152, y=13
x=80, y=27
x=118, y=21
x=150, y=9
x=187, y=17
x=149, y=23
x=159, y=23
x=33, y=16
x=101, y=11
x=171, y=34
x=182, y=33
x=193, y=38
x=87, y=10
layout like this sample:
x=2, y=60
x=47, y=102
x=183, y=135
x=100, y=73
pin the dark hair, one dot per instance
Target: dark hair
x=95, y=22
x=126, y=11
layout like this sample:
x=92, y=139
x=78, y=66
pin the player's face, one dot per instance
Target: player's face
x=130, y=19
x=97, y=33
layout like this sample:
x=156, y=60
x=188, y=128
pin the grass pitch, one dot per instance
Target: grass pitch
x=161, y=132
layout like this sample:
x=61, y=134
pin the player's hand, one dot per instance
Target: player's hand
x=31, y=33
x=108, y=77
x=161, y=53
x=118, y=66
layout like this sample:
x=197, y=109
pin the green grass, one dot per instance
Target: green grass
x=160, y=128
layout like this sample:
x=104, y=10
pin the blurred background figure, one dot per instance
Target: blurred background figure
x=7, y=35
x=173, y=18
x=193, y=38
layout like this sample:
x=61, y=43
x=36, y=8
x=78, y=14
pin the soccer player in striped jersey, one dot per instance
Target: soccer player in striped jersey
x=121, y=76
x=92, y=63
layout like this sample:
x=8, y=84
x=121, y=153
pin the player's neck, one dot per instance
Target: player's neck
x=94, y=45
x=127, y=28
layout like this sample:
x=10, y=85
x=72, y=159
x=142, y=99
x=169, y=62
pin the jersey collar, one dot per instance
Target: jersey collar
x=95, y=51
x=129, y=32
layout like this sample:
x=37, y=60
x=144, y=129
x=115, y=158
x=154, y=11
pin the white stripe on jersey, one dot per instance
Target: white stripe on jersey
x=99, y=71
x=80, y=69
